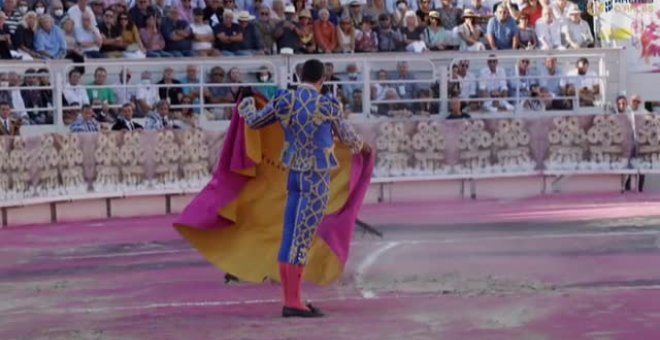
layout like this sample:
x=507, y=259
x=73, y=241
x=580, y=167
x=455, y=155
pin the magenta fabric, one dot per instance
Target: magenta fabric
x=226, y=185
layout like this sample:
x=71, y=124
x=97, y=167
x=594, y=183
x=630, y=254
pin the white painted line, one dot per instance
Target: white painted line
x=466, y=239
x=139, y=253
x=365, y=264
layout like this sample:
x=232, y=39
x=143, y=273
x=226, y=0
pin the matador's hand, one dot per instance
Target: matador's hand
x=246, y=106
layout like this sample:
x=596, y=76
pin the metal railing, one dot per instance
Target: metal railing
x=431, y=69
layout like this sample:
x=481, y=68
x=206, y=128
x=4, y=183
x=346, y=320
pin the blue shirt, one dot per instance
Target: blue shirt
x=53, y=42
x=503, y=33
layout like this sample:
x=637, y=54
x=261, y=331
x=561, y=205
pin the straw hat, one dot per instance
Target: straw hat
x=245, y=16
x=469, y=13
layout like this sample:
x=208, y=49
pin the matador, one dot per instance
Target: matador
x=309, y=120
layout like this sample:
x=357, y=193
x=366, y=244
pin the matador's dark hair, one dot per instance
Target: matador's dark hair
x=313, y=70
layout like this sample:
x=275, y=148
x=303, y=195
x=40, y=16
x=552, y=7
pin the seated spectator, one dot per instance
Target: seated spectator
x=492, y=84
x=637, y=105
x=502, y=32
x=234, y=77
x=412, y=34
x=172, y=94
x=430, y=106
x=467, y=86
x=125, y=119
x=436, y=37
x=88, y=38
x=23, y=39
x=385, y=109
x=130, y=37
x=533, y=9
x=305, y=32
x=583, y=83
x=469, y=33
x=113, y=43
x=70, y=37
x=389, y=39
x=160, y=119
x=456, y=110
x=252, y=42
x=57, y=12
x=140, y=11
x=203, y=35
x=5, y=38
x=561, y=10
x=576, y=31
x=49, y=41
x=331, y=85
x=147, y=94
x=278, y=10
x=381, y=84
x=399, y=14
x=621, y=106
x=215, y=93
x=17, y=103
x=97, y=89
x=265, y=28
x=405, y=90
x=286, y=35
x=325, y=32
x=376, y=8
x=8, y=126
x=98, y=7
x=34, y=98
x=526, y=35
x=551, y=79
x=346, y=36
x=213, y=12
x=322, y=5
x=76, y=12
x=70, y=113
x=450, y=16
x=548, y=32
x=121, y=91
x=424, y=8
x=521, y=80
x=355, y=12
x=186, y=8
x=85, y=122
x=264, y=76
x=353, y=78
x=191, y=78
x=102, y=112
x=366, y=39
x=229, y=36
x=153, y=40
x=73, y=92
x=178, y=35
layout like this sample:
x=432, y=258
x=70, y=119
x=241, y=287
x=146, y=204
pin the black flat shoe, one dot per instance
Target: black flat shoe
x=313, y=312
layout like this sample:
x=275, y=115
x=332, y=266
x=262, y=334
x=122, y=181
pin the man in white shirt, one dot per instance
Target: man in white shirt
x=548, y=31
x=492, y=84
x=147, y=94
x=576, y=31
x=561, y=10
x=75, y=13
x=73, y=92
x=17, y=98
x=583, y=82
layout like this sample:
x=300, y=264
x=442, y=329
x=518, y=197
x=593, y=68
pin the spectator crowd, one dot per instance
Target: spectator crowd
x=40, y=29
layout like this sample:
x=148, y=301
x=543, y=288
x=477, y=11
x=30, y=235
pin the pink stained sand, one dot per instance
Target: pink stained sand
x=446, y=272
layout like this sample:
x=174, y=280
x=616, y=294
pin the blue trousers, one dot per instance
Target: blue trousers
x=305, y=207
